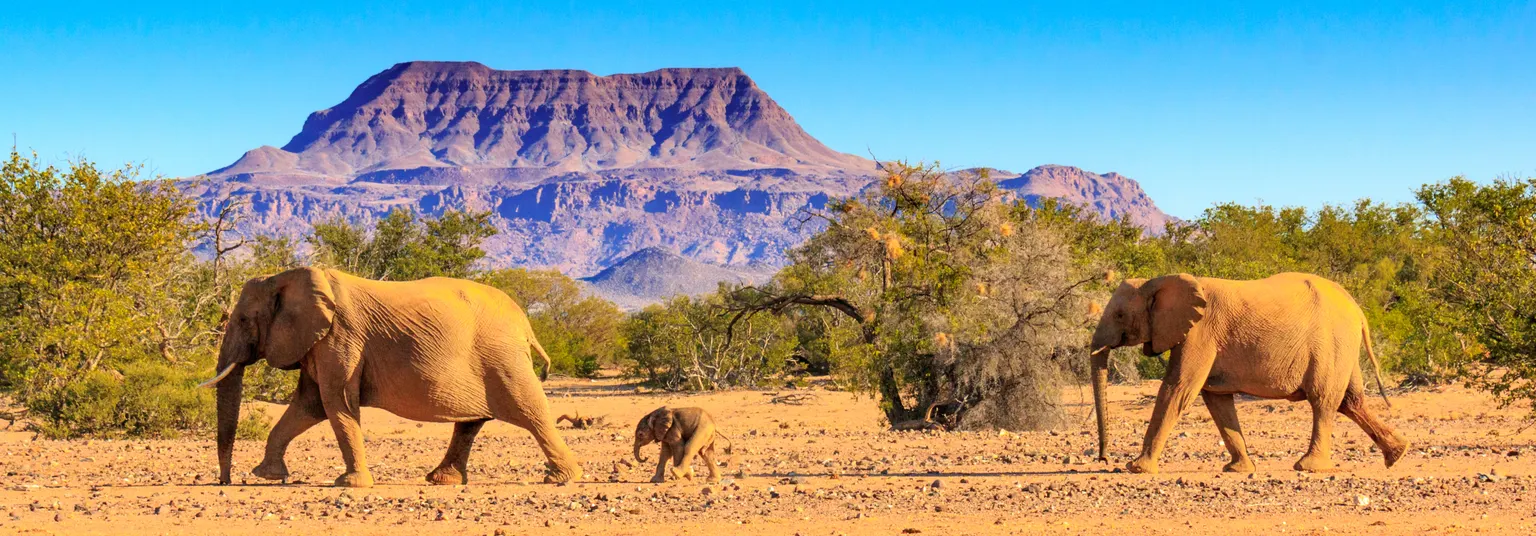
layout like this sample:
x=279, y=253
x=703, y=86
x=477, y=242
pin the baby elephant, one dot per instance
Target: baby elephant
x=682, y=432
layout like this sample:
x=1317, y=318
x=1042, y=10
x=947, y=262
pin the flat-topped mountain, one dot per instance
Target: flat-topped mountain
x=423, y=115
x=583, y=171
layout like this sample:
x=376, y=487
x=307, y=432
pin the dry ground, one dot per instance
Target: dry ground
x=821, y=468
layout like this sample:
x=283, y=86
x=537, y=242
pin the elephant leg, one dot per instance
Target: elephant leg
x=341, y=408
x=304, y=411
x=454, y=468
x=520, y=401
x=1319, y=456
x=681, y=469
x=708, y=456
x=661, y=465
x=1392, y=445
x=702, y=436
x=1224, y=413
x=1186, y=376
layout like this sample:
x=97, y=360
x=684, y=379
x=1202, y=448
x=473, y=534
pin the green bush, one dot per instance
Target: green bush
x=253, y=425
x=1151, y=367
x=581, y=333
x=145, y=400
x=683, y=344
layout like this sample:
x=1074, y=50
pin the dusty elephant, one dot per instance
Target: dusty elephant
x=1290, y=336
x=682, y=433
x=436, y=350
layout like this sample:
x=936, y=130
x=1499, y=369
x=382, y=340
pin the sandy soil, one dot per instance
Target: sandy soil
x=824, y=467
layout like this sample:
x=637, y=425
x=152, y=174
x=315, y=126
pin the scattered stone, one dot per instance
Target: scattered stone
x=1491, y=476
x=1362, y=501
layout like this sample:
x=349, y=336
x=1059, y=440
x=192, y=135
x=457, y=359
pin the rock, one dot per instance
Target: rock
x=1362, y=501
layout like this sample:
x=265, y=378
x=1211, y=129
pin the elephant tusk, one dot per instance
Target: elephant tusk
x=210, y=383
x=1101, y=349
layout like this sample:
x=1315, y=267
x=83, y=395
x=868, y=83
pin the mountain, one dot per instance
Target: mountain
x=1110, y=195
x=654, y=274
x=583, y=172
x=418, y=116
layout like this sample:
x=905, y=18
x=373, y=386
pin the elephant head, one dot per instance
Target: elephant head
x=277, y=318
x=1155, y=313
x=656, y=427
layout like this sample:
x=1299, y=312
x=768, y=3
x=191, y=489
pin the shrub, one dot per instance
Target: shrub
x=686, y=344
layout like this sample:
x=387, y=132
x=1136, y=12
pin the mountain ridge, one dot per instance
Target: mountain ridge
x=463, y=114
x=583, y=171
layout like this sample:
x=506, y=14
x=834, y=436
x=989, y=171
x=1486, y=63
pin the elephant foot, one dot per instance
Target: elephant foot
x=1394, y=453
x=355, y=479
x=1315, y=464
x=658, y=479
x=1142, y=465
x=271, y=470
x=556, y=475
x=447, y=475
x=713, y=479
x=1238, y=466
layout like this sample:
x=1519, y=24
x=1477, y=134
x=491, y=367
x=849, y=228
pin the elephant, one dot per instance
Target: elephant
x=1290, y=336
x=435, y=350
x=682, y=432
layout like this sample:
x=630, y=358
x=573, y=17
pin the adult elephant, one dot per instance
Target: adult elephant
x=437, y=350
x=1290, y=336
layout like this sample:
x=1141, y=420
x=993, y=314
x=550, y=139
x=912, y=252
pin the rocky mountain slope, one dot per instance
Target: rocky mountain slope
x=1110, y=195
x=652, y=274
x=581, y=171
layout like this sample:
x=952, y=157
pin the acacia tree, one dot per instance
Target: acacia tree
x=951, y=297
x=1490, y=279
x=101, y=316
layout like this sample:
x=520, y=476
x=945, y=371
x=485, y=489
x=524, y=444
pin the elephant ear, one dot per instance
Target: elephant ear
x=1174, y=304
x=303, y=311
x=664, y=427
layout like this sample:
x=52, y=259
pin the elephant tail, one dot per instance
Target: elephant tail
x=534, y=342
x=1365, y=336
x=729, y=443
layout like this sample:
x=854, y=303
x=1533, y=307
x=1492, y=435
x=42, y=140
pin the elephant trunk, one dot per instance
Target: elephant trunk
x=638, y=457
x=1100, y=360
x=228, y=401
x=233, y=357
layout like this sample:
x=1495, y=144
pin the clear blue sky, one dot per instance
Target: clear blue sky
x=1293, y=103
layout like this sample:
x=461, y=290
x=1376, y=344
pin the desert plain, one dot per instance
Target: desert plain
x=818, y=462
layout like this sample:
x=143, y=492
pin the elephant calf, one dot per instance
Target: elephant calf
x=437, y=350
x=683, y=433
x=1290, y=336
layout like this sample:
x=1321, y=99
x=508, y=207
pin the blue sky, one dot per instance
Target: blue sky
x=1291, y=103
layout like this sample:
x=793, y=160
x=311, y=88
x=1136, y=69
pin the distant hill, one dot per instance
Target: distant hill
x=1110, y=195
x=654, y=274
x=582, y=171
